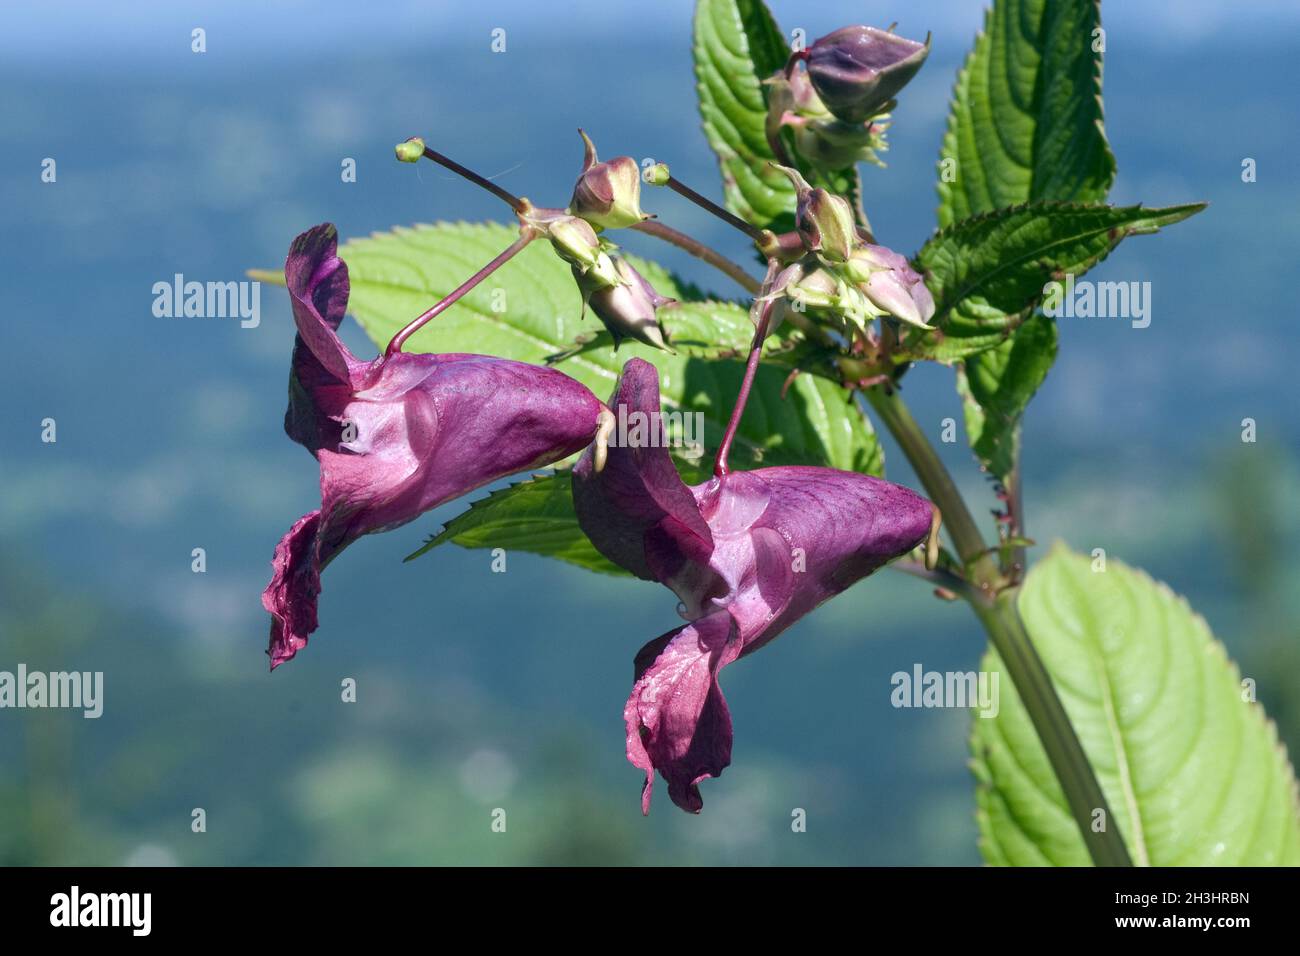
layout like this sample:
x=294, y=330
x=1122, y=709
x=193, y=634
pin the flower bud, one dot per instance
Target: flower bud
x=819, y=138
x=857, y=71
x=627, y=308
x=834, y=144
x=890, y=284
x=410, y=151
x=607, y=195
x=825, y=221
x=658, y=174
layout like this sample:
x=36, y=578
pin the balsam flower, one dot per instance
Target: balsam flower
x=747, y=552
x=397, y=435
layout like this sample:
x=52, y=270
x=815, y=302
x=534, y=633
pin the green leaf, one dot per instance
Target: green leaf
x=535, y=516
x=997, y=384
x=1026, y=117
x=529, y=310
x=1191, y=767
x=1025, y=124
x=737, y=46
x=987, y=273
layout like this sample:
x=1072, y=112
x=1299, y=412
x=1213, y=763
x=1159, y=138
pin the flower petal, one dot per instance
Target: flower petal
x=290, y=598
x=840, y=526
x=317, y=280
x=637, y=511
x=677, y=719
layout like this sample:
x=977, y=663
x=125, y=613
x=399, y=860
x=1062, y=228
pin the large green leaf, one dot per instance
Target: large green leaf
x=397, y=275
x=987, y=273
x=1026, y=117
x=535, y=516
x=1191, y=767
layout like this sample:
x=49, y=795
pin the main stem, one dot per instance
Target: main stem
x=1082, y=792
x=398, y=340
x=995, y=605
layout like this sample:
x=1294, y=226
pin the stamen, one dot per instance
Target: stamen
x=932, y=541
x=604, y=428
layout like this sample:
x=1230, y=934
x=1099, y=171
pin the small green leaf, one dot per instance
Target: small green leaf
x=987, y=273
x=997, y=384
x=1026, y=117
x=1190, y=765
x=535, y=516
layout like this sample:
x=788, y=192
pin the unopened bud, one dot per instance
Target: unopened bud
x=857, y=71
x=890, y=283
x=628, y=308
x=825, y=221
x=410, y=151
x=658, y=174
x=607, y=195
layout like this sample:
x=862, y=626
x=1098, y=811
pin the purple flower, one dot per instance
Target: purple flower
x=397, y=435
x=748, y=554
x=857, y=71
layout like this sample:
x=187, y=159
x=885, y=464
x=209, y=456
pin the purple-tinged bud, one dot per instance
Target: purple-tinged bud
x=857, y=71
x=410, y=151
x=825, y=221
x=607, y=195
x=891, y=284
x=627, y=308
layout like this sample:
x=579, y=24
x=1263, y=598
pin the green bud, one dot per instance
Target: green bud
x=658, y=174
x=410, y=151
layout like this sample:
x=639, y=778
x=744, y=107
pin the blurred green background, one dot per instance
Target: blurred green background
x=478, y=690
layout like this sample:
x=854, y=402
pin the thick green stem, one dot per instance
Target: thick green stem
x=1069, y=762
x=995, y=605
x=937, y=482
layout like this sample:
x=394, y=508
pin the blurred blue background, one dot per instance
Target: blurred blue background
x=480, y=690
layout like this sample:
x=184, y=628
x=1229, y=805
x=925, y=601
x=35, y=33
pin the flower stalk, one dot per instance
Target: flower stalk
x=399, y=340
